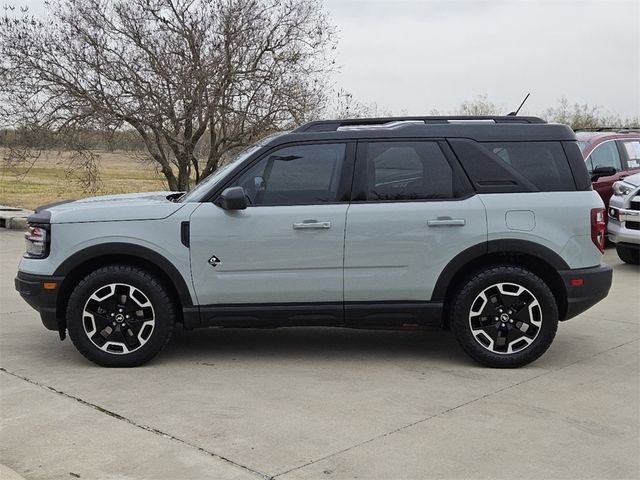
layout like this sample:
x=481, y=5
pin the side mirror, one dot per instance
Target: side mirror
x=602, y=172
x=233, y=198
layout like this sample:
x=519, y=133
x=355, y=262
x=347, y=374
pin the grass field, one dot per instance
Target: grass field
x=47, y=181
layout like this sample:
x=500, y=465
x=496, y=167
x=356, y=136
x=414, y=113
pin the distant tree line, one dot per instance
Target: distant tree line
x=108, y=141
x=578, y=116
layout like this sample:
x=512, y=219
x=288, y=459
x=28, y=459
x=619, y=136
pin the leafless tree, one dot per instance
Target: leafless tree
x=584, y=116
x=196, y=79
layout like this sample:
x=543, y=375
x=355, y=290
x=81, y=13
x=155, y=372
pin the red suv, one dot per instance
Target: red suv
x=610, y=155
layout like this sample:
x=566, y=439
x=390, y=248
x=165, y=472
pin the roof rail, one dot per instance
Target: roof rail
x=332, y=125
x=609, y=129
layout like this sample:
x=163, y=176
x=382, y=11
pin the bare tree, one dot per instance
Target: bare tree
x=196, y=79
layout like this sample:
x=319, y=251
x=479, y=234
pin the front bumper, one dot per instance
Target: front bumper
x=44, y=300
x=618, y=230
x=585, y=287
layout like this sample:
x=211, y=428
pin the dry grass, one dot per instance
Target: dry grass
x=46, y=182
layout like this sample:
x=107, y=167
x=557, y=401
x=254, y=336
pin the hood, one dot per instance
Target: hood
x=108, y=208
x=633, y=180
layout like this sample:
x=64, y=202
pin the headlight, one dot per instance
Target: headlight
x=622, y=188
x=37, y=241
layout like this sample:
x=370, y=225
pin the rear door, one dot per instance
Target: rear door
x=413, y=211
x=630, y=150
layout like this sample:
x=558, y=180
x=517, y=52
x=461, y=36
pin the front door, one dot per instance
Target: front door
x=287, y=246
x=605, y=154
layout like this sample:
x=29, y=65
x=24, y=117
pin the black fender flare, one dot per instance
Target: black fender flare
x=122, y=250
x=506, y=246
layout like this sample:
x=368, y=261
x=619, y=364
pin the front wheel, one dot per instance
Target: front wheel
x=120, y=316
x=504, y=316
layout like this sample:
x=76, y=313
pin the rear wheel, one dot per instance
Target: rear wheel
x=629, y=254
x=120, y=316
x=504, y=316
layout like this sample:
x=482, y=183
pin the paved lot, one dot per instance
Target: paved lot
x=323, y=403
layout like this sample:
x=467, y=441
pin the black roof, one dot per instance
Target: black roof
x=479, y=128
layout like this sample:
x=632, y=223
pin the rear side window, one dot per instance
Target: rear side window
x=399, y=171
x=632, y=149
x=544, y=164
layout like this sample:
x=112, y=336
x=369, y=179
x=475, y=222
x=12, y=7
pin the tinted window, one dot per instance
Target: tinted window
x=632, y=149
x=304, y=174
x=605, y=155
x=407, y=171
x=544, y=164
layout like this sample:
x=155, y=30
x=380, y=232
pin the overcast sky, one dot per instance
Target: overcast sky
x=421, y=55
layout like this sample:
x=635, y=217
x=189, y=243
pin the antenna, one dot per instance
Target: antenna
x=513, y=114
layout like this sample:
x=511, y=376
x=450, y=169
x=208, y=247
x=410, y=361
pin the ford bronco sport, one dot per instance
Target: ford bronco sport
x=487, y=226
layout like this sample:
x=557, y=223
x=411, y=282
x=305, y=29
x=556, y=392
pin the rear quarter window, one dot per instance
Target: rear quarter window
x=544, y=164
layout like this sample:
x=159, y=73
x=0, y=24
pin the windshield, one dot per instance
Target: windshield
x=212, y=179
x=583, y=146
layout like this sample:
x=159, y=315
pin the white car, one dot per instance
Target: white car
x=624, y=218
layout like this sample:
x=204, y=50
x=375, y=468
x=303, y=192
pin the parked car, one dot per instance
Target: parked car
x=610, y=155
x=368, y=223
x=624, y=218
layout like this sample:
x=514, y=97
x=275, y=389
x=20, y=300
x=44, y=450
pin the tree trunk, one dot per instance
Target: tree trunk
x=184, y=172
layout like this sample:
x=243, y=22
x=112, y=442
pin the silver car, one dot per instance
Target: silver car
x=624, y=219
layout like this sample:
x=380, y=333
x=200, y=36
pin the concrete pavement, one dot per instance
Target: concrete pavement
x=323, y=403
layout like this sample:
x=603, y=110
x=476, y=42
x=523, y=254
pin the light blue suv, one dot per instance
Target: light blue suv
x=487, y=226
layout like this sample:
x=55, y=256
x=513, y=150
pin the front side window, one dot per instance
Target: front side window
x=407, y=171
x=605, y=155
x=297, y=175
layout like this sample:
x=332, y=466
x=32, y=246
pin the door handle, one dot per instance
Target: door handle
x=446, y=222
x=311, y=225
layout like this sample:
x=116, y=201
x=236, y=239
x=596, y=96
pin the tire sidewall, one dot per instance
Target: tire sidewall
x=629, y=254
x=154, y=291
x=504, y=274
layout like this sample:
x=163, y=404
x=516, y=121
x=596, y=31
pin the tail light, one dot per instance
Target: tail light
x=598, y=228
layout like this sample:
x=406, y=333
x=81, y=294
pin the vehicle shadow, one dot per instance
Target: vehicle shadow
x=313, y=342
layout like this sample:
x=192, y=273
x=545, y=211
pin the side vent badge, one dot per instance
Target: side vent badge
x=214, y=261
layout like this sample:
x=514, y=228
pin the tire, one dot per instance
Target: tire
x=120, y=316
x=526, y=313
x=629, y=254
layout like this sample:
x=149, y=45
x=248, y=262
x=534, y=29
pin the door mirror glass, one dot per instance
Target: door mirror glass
x=602, y=172
x=233, y=198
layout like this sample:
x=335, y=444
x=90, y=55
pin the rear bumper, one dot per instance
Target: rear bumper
x=585, y=287
x=44, y=301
